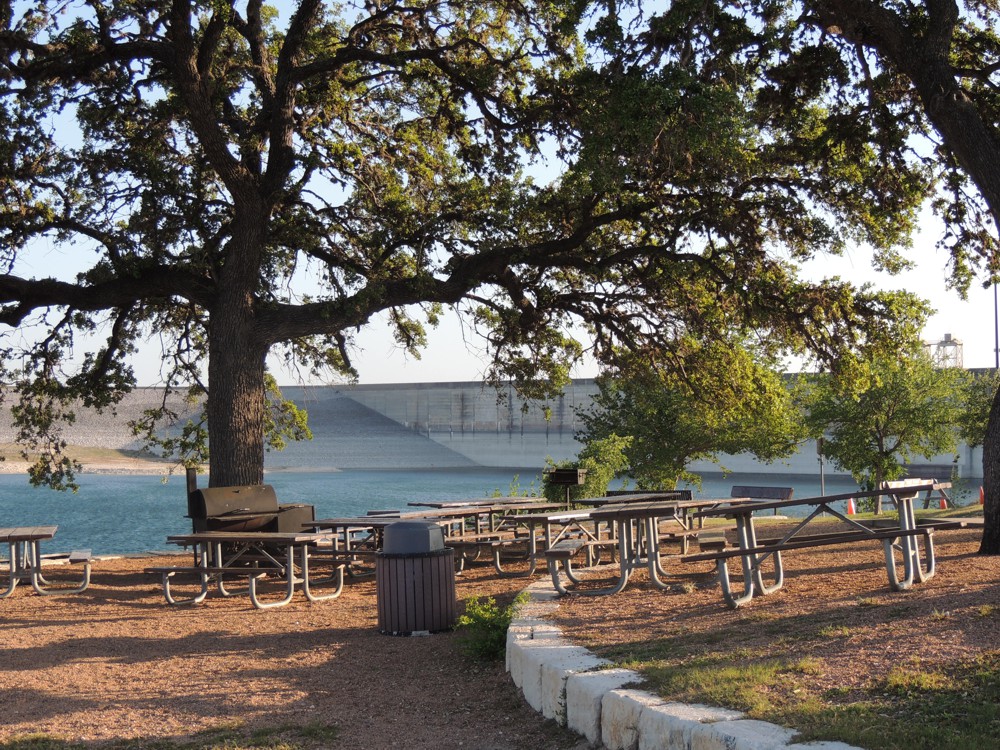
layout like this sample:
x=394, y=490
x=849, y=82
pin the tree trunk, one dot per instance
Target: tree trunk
x=237, y=395
x=990, y=544
x=236, y=404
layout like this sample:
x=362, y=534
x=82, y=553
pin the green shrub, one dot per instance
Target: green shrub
x=484, y=626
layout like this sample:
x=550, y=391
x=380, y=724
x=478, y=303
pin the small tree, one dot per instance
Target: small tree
x=726, y=400
x=980, y=390
x=907, y=407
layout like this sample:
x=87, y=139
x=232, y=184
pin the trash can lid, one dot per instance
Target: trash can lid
x=412, y=537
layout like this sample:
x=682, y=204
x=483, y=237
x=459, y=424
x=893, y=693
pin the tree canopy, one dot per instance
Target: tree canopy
x=727, y=402
x=239, y=181
x=910, y=85
x=910, y=408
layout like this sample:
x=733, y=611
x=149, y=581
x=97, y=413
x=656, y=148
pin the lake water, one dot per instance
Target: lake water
x=129, y=514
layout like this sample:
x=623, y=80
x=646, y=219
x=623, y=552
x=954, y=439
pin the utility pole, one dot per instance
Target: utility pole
x=822, y=475
x=996, y=330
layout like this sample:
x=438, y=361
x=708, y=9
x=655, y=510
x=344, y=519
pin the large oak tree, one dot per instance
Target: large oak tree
x=932, y=65
x=948, y=53
x=904, y=83
x=239, y=183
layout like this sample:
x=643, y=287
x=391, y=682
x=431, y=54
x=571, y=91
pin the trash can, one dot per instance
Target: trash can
x=415, y=580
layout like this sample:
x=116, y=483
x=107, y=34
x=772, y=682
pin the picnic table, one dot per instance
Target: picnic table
x=902, y=537
x=551, y=527
x=623, y=498
x=640, y=528
x=253, y=555
x=354, y=539
x=24, y=560
x=469, y=529
x=463, y=503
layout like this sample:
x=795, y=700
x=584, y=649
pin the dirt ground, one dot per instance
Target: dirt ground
x=117, y=662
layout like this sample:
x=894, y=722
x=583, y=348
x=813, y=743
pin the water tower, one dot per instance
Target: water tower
x=947, y=352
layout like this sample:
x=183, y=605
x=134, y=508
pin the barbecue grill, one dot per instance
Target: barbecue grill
x=247, y=508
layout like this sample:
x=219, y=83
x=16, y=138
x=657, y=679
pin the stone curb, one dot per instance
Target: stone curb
x=567, y=683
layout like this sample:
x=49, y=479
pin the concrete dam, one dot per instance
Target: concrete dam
x=438, y=425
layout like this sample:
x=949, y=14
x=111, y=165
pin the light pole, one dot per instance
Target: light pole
x=822, y=476
x=996, y=330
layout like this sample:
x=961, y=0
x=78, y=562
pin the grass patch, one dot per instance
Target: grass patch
x=757, y=686
x=914, y=706
x=835, y=631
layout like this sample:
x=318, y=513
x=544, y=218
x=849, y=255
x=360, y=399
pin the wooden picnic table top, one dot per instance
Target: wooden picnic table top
x=668, y=507
x=366, y=522
x=637, y=497
x=462, y=503
x=459, y=511
x=263, y=537
x=551, y=515
x=27, y=533
x=823, y=499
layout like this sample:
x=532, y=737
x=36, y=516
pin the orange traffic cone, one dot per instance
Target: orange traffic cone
x=982, y=495
x=943, y=504
x=850, y=506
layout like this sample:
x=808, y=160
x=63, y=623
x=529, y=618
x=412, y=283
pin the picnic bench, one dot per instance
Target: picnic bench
x=904, y=538
x=221, y=556
x=762, y=493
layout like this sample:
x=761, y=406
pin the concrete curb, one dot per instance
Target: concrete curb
x=569, y=684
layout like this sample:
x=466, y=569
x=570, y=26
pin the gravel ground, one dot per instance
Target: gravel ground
x=116, y=662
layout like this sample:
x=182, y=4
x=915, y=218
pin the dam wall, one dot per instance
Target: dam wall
x=492, y=428
x=501, y=429
x=441, y=425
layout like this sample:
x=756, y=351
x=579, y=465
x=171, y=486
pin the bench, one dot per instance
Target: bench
x=252, y=574
x=80, y=556
x=775, y=546
x=762, y=493
x=712, y=539
x=566, y=549
x=955, y=522
x=721, y=552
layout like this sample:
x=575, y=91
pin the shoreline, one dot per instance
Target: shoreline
x=126, y=466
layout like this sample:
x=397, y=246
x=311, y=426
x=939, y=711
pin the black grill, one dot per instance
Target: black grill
x=246, y=508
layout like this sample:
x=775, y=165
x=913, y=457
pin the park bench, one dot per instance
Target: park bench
x=762, y=493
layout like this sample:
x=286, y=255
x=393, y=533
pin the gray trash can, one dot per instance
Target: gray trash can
x=415, y=580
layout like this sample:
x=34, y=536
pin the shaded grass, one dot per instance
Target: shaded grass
x=914, y=706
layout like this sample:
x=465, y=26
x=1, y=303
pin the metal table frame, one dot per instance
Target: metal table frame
x=222, y=554
x=907, y=544
x=24, y=560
